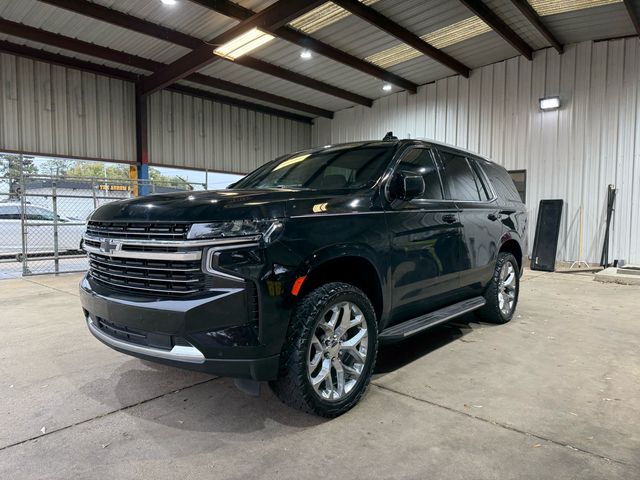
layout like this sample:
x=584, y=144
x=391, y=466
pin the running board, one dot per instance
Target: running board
x=418, y=324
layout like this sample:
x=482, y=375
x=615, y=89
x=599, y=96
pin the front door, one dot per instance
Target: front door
x=426, y=242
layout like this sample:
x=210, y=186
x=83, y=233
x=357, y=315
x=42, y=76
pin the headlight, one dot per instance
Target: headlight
x=265, y=228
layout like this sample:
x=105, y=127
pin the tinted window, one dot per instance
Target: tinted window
x=9, y=212
x=483, y=188
x=331, y=168
x=501, y=181
x=37, y=213
x=419, y=161
x=462, y=180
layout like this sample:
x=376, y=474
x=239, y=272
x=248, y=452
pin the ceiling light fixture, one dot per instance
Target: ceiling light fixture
x=306, y=54
x=243, y=44
x=386, y=87
x=441, y=38
x=552, y=7
x=322, y=16
x=549, y=103
x=169, y=2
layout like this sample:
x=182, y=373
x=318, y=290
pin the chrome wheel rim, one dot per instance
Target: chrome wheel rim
x=338, y=351
x=507, y=289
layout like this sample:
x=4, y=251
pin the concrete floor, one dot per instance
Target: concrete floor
x=554, y=394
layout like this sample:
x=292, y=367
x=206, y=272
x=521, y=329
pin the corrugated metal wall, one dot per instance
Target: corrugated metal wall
x=572, y=153
x=190, y=132
x=49, y=109
x=52, y=110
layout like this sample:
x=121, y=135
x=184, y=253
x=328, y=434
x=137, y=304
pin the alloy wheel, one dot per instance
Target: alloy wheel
x=507, y=286
x=338, y=351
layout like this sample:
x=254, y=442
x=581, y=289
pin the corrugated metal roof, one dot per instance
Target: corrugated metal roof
x=351, y=34
x=63, y=22
x=609, y=21
x=517, y=21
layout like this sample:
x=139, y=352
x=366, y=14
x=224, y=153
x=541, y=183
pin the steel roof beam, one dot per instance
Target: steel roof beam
x=490, y=18
x=64, y=61
x=109, y=54
x=534, y=19
x=159, y=32
x=633, y=8
x=275, y=15
x=233, y=10
x=97, y=69
x=378, y=20
x=236, y=102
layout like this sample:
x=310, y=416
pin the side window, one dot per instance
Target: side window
x=9, y=212
x=483, y=188
x=419, y=161
x=463, y=181
x=37, y=213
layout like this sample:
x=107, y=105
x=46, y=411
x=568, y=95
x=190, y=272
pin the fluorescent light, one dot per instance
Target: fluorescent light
x=243, y=44
x=169, y=2
x=441, y=38
x=322, y=16
x=552, y=7
x=305, y=54
x=549, y=103
x=386, y=87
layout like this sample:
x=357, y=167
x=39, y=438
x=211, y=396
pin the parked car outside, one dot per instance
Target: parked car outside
x=38, y=230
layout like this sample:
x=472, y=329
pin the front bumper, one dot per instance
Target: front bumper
x=172, y=331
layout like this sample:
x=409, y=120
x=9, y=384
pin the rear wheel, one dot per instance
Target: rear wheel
x=330, y=352
x=502, y=293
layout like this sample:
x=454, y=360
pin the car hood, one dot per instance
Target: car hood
x=202, y=206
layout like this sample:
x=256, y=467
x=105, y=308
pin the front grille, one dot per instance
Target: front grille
x=139, y=231
x=155, y=277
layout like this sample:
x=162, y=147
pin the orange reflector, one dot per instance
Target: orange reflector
x=297, y=285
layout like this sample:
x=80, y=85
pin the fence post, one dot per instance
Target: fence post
x=93, y=192
x=23, y=218
x=56, y=253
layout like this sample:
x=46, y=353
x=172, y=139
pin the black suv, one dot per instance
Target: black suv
x=294, y=274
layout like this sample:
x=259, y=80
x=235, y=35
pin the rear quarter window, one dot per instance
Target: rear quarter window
x=500, y=180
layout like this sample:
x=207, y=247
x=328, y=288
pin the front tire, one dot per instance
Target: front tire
x=330, y=352
x=502, y=293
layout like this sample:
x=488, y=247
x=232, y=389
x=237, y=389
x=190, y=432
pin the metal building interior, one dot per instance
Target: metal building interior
x=150, y=83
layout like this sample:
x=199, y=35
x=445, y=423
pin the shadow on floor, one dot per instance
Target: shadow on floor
x=216, y=405
x=396, y=355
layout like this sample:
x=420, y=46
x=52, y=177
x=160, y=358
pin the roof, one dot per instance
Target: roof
x=322, y=84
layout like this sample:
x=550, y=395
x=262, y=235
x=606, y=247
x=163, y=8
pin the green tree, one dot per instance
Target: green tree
x=168, y=181
x=100, y=171
x=55, y=167
x=12, y=168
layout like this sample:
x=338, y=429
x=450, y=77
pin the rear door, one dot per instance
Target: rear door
x=466, y=184
x=426, y=241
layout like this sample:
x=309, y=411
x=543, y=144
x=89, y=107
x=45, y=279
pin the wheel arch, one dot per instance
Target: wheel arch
x=512, y=246
x=349, y=267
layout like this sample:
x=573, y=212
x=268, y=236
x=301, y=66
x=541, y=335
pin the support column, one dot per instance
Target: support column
x=142, y=143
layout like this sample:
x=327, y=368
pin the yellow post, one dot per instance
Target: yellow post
x=133, y=176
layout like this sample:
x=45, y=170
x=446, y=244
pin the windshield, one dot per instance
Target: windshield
x=331, y=168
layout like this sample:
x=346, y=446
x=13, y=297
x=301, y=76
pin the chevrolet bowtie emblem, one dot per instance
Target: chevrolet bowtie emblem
x=109, y=246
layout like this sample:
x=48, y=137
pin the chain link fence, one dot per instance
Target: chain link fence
x=43, y=218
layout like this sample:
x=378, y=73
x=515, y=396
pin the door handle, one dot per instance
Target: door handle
x=449, y=218
x=493, y=217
